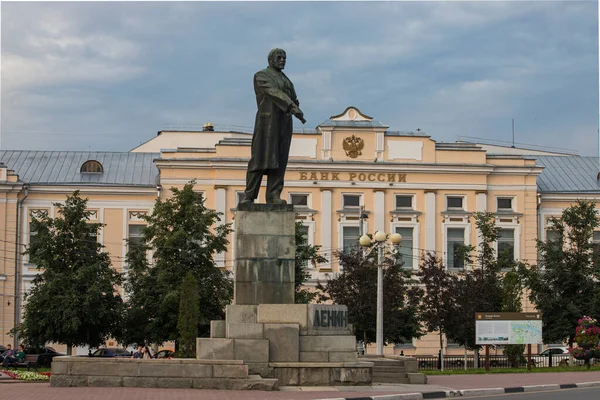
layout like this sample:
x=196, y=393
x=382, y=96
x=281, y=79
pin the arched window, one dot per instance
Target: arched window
x=92, y=167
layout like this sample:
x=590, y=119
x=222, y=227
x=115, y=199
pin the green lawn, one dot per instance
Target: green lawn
x=508, y=370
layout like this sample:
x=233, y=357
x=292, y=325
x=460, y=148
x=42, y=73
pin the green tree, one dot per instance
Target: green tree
x=512, y=289
x=436, y=296
x=356, y=287
x=184, y=237
x=477, y=289
x=305, y=254
x=74, y=299
x=143, y=299
x=564, y=286
x=189, y=312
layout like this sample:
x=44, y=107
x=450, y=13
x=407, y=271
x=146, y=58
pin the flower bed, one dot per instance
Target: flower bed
x=27, y=375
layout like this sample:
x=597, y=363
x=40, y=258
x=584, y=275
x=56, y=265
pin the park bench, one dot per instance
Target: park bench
x=30, y=361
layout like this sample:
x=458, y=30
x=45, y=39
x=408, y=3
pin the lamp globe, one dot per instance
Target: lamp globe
x=395, y=238
x=380, y=236
x=364, y=240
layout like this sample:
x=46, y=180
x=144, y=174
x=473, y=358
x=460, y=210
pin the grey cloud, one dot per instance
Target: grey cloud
x=451, y=68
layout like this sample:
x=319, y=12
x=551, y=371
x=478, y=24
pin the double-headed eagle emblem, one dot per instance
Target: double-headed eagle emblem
x=353, y=146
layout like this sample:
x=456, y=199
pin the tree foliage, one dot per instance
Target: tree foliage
x=189, y=312
x=478, y=288
x=143, y=299
x=564, y=287
x=356, y=287
x=436, y=297
x=305, y=254
x=184, y=237
x=512, y=289
x=74, y=299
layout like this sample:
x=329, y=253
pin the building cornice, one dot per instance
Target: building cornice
x=96, y=189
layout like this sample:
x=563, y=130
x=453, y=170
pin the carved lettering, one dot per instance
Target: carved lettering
x=352, y=176
x=317, y=321
x=324, y=319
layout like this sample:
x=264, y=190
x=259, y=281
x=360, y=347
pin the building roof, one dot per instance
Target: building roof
x=568, y=174
x=63, y=167
x=354, y=124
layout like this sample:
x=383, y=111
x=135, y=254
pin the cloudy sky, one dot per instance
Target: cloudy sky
x=109, y=75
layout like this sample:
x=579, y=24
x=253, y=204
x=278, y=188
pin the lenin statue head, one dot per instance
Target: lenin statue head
x=277, y=59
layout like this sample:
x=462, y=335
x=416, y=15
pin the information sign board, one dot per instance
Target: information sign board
x=508, y=328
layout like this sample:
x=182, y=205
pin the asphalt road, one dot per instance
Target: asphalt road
x=562, y=394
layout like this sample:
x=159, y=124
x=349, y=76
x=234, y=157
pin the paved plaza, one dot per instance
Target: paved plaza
x=11, y=389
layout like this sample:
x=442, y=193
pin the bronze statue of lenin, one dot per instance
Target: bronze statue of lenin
x=277, y=102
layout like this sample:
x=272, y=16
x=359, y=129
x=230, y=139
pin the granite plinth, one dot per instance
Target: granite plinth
x=265, y=254
x=160, y=373
x=264, y=207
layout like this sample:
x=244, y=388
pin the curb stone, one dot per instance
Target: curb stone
x=472, y=392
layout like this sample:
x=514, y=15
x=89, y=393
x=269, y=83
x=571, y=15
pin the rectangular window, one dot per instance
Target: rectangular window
x=506, y=244
x=404, y=202
x=299, y=199
x=454, y=202
x=504, y=204
x=349, y=237
x=351, y=200
x=406, y=246
x=596, y=246
x=455, y=239
x=91, y=242
x=32, y=234
x=304, y=242
x=135, y=234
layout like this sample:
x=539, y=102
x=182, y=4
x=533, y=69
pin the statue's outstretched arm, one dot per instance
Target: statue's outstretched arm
x=264, y=84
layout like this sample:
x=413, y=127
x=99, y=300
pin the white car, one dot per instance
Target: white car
x=555, y=351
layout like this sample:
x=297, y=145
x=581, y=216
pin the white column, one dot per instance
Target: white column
x=221, y=207
x=326, y=225
x=430, y=217
x=481, y=207
x=379, y=211
x=481, y=201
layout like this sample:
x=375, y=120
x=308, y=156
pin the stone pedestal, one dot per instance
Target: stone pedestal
x=265, y=251
x=299, y=344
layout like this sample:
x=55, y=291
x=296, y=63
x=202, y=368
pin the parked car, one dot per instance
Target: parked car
x=554, y=351
x=111, y=352
x=166, y=353
x=44, y=355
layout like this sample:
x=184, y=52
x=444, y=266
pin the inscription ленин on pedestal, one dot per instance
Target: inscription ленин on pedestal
x=330, y=319
x=324, y=318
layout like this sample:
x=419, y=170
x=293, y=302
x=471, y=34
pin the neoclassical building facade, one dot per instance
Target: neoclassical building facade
x=349, y=175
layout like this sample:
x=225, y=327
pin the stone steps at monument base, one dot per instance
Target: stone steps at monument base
x=387, y=377
x=388, y=371
x=397, y=370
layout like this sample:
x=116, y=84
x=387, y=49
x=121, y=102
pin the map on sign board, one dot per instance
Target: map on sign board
x=525, y=332
x=508, y=328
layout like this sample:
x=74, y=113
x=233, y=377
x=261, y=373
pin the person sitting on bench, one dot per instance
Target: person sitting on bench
x=18, y=357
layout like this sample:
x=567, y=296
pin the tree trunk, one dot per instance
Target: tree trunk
x=69, y=349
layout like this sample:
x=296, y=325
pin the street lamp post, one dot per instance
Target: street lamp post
x=380, y=238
